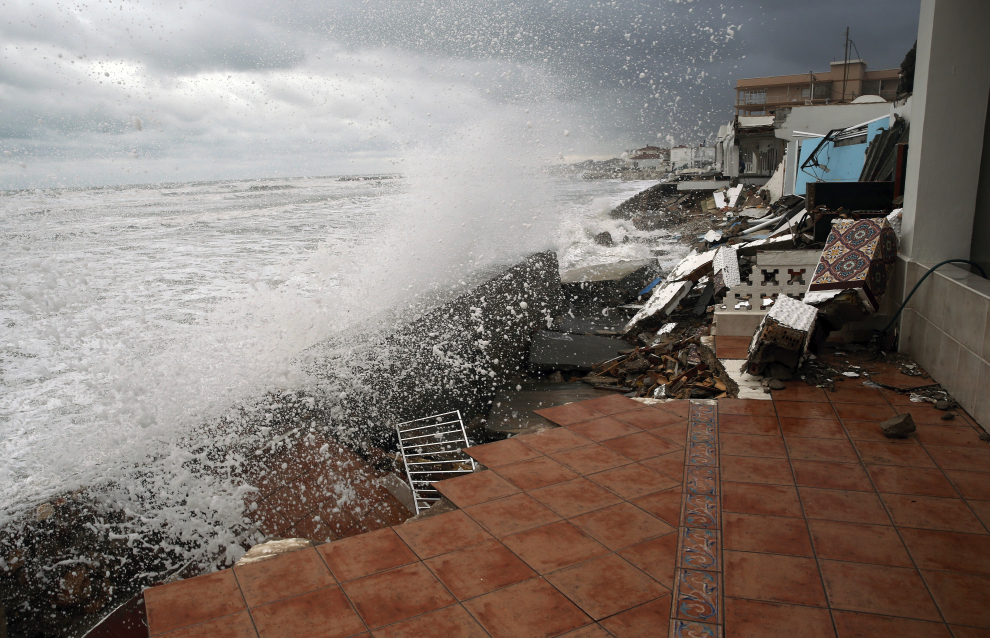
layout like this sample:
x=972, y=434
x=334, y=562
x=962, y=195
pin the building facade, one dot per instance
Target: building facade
x=844, y=82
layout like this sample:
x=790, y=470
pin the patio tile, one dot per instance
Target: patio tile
x=670, y=465
x=829, y=475
x=982, y=511
x=657, y=557
x=449, y=622
x=954, y=436
x=269, y=519
x=773, y=578
x=553, y=440
x=576, y=497
x=752, y=445
x=843, y=505
x=603, y=429
x=969, y=632
x=328, y=522
x=639, y=621
x=474, y=488
x=680, y=407
x=751, y=498
x=186, y=602
x=739, y=424
x=744, y=469
x=640, y=447
x=611, y=404
x=906, y=453
x=535, y=473
x=975, y=485
x=805, y=409
x=441, y=534
x=370, y=522
x=620, y=526
x=910, y=480
x=766, y=534
x=500, y=453
x=632, y=481
x=675, y=433
x=860, y=412
x=929, y=512
x=963, y=598
x=554, y=546
x=949, y=551
x=922, y=413
x=649, y=418
x=811, y=428
x=856, y=395
x=237, y=625
x=837, y=450
x=759, y=619
x=665, y=505
x=284, y=576
x=968, y=459
x=606, y=586
x=480, y=569
x=850, y=624
x=868, y=588
x=858, y=543
x=593, y=458
x=511, y=514
x=324, y=613
x=367, y=554
x=588, y=631
x=799, y=391
x=869, y=431
x=750, y=407
x=533, y=609
x=569, y=414
x=398, y=594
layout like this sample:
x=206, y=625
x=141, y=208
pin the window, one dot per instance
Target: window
x=806, y=93
x=756, y=96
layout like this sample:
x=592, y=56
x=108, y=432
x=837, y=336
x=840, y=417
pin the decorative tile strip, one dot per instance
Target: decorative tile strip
x=697, y=605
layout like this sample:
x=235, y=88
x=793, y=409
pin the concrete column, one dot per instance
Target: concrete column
x=951, y=85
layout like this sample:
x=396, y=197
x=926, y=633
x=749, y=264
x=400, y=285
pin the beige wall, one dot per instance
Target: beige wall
x=945, y=327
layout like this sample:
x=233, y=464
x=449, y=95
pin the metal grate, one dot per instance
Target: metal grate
x=432, y=450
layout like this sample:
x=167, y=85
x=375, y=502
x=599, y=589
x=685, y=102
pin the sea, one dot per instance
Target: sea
x=131, y=315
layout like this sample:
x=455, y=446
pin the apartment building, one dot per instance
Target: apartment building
x=844, y=82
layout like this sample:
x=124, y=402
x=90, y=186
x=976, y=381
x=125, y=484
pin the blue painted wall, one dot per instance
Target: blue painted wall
x=844, y=163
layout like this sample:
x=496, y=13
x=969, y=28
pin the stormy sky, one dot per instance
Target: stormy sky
x=99, y=92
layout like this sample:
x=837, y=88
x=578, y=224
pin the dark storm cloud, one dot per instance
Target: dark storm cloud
x=229, y=79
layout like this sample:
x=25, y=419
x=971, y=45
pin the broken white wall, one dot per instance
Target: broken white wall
x=821, y=119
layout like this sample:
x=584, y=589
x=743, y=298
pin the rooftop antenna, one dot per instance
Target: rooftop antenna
x=845, y=66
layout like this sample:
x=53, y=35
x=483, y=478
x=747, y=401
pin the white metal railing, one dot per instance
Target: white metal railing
x=432, y=450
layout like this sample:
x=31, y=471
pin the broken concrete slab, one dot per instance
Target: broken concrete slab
x=273, y=548
x=783, y=335
x=576, y=322
x=898, y=427
x=561, y=351
x=725, y=266
x=661, y=303
x=608, y=284
x=750, y=386
x=693, y=267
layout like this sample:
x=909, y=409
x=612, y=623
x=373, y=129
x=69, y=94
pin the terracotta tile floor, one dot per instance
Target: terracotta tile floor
x=789, y=517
